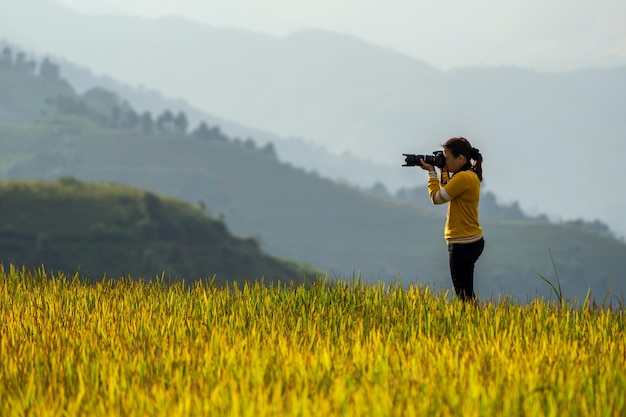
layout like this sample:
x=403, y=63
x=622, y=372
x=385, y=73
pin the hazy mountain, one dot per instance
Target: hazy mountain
x=296, y=215
x=305, y=153
x=545, y=136
x=24, y=96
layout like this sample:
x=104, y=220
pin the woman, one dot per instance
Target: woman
x=460, y=188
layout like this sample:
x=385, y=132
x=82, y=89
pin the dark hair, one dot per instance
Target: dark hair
x=461, y=146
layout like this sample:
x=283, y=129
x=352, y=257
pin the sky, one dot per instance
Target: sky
x=553, y=35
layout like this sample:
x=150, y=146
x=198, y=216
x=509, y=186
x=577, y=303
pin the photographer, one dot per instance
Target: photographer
x=460, y=188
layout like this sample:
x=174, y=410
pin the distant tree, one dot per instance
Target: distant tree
x=202, y=205
x=24, y=64
x=146, y=124
x=160, y=217
x=269, y=150
x=201, y=132
x=204, y=132
x=165, y=123
x=68, y=105
x=595, y=226
x=490, y=208
x=380, y=190
x=101, y=98
x=130, y=119
x=72, y=105
x=180, y=123
x=49, y=71
x=416, y=196
x=6, y=60
x=249, y=144
x=116, y=115
x=20, y=59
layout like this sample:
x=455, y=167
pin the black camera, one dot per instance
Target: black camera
x=436, y=159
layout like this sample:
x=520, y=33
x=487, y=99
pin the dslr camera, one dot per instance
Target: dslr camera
x=436, y=159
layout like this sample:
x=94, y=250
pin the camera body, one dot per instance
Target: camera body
x=436, y=159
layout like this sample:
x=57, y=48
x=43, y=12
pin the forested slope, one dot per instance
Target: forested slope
x=294, y=214
x=115, y=230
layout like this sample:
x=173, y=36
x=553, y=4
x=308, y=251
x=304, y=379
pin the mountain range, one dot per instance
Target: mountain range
x=545, y=136
x=48, y=131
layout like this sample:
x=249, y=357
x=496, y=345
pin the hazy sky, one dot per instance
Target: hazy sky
x=541, y=34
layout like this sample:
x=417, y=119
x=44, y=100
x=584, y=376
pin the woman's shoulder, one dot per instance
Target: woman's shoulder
x=467, y=177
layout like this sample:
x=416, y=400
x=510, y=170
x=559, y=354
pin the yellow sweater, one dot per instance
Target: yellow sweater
x=462, y=193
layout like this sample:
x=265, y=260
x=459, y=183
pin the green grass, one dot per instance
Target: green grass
x=107, y=228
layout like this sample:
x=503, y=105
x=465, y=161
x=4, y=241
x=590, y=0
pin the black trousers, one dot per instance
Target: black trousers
x=463, y=257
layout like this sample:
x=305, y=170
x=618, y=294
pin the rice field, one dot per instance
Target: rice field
x=132, y=347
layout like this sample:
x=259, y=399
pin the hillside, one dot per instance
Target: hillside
x=23, y=93
x=292, y=213
x=114, y=230
x=350, y=95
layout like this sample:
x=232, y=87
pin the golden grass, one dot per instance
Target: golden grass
x=131, y=348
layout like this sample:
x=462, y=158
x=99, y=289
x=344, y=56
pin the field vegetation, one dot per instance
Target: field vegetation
x=328, y=347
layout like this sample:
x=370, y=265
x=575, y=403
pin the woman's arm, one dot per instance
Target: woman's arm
x=437, y=193
x=436, y=190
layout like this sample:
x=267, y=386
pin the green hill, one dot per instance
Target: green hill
x=292, y=213
x=116, y=230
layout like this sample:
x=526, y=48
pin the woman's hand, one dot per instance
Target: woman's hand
x=425, y=166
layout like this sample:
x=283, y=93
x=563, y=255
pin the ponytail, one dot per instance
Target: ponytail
x=477, y=165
